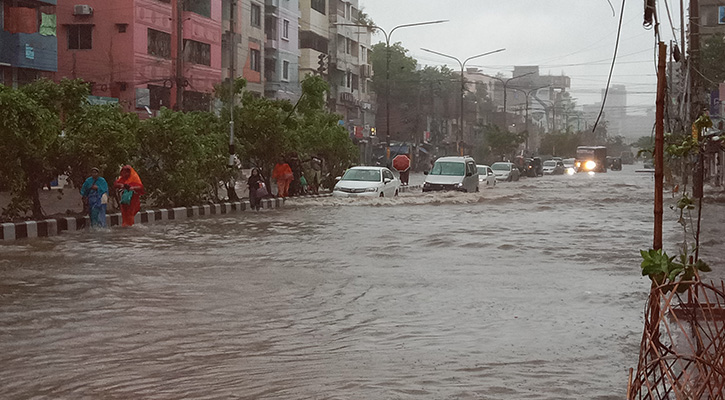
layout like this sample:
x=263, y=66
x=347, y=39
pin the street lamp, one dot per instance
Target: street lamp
x=387, y=67
x=463, y=87
x=527, y=93
x=505, y=83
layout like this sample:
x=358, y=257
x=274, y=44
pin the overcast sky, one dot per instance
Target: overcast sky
x=571, y=37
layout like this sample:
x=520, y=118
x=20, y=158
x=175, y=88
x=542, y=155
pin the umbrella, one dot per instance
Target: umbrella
x=401, y=163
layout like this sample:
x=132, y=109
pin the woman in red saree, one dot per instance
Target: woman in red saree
x=129, y=181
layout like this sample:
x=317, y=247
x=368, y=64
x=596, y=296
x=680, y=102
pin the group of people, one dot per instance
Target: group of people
x=95, y=196
x=290, y=178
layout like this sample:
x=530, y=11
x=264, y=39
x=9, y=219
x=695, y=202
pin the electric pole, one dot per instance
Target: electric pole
x=179, y=54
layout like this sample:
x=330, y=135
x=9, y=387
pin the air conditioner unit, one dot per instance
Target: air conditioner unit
x=82, y=9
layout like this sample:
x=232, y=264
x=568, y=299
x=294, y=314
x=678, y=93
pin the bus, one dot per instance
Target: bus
x=591, y=159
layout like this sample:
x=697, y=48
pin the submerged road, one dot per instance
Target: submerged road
x=530, y=290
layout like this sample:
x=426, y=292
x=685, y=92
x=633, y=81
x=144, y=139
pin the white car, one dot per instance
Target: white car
x=554, y=167
x=505, y=171
x=367, y=182
x=486, y=175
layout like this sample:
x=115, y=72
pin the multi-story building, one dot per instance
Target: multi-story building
x=248, y=39
x=28, y=40
x=349, y=69
x=712, y=18
x=314, y=33
x=143, y=52
x=281, y=50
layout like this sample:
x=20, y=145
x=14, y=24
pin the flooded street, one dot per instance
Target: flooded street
x=530, y=290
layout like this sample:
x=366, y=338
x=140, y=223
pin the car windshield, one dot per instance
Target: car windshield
x=481, y=170
x=364, y=175
x=550, y=163
x=500, y=167
x=448, y=168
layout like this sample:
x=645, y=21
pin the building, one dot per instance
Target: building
x=28, y=41
x=281, y=50
x=314, y=33
x=131, y=50
x=248, y=39
x=349, y=71
x=712, y=18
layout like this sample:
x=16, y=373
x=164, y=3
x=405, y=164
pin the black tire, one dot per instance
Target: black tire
x=382, y=194
x=396, y=193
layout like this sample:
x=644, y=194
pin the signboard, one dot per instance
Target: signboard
x=29, y=52
x=100, y=100
x=359, y=132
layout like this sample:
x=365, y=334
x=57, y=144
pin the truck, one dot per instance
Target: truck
x=591, y=159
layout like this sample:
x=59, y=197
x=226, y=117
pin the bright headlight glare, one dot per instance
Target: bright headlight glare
x=590, y=164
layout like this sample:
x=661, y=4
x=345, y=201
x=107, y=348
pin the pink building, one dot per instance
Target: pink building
x=128, y=49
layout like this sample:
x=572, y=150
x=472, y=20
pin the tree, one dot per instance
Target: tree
x=499, y=144
x=561, y=144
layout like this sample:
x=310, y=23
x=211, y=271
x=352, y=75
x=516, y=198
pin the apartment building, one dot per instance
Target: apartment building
x=314, y=34
x=349, y=69
x=145, y=54
x=28, y=41
x=281, y=50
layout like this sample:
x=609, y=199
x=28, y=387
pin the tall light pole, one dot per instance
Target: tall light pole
x=463, y=87
x=387, y=68
x=527, y=93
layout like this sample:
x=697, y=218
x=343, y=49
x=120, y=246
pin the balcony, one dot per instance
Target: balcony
x=29, y=50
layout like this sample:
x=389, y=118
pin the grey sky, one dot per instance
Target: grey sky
x=573, y=37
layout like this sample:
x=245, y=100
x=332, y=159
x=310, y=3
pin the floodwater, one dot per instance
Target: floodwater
x=530, y=290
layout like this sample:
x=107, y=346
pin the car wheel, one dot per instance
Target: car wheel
x=396, y=193
x=511, y=178
x=477, y=189
x=382, y=194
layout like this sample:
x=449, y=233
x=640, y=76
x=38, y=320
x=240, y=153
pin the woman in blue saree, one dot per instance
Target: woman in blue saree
x=95, y=194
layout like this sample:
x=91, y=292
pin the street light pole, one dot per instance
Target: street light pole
x=463, y=87
x=527, y=93
x=387, y=68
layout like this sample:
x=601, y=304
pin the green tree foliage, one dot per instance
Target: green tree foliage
x=562, y=144
x=499, y=144
x=101, y=136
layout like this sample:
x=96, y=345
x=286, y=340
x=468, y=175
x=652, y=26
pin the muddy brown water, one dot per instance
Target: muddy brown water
x=530, y=290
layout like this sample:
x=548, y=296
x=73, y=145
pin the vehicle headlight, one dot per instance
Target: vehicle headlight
x=371, y=189
x=590, y=164
x=426, y=184
x=578, y=164
x=460, y=185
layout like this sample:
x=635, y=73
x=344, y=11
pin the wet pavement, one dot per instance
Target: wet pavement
x=530, y=290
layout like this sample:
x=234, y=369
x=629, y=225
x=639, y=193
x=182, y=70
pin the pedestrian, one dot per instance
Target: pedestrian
x=95, y=196
x=296, y=166
x=257, y=189
x=283, y=174
x=303, y=183
x=316, y=178
x=131, y=189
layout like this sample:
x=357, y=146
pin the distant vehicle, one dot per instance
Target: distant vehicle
x=486, y=175
x=614, y=163
x=553, y=167
x=627, y=157
x=591, y=159
x=505, y=171
x=569, y=162
x=534, y=167
x=367, y=182
x=452, y=173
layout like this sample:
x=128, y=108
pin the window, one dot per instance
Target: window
x=255, y=60
x=309, y=40
x=256, y=16
x=197, y=52
x=159, y=43
x=721, y=15
x=285, y=29
x=285, y=70
x=201, y=7
x=319, y=6
x=348, y=83
x=355, y=81
x=159, y=96
x=80, y=37
x=121, y=28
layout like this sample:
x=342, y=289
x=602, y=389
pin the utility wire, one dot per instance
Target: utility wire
x=611, y=69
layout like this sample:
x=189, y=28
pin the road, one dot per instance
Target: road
x=530, y=290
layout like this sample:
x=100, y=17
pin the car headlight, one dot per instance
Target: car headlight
x=578, y=164
x=371, y=189
x=460, y=185
x=590, y=164
x=426, y=184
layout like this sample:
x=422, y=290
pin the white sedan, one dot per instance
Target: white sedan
x=486, y=175
x=368, y=182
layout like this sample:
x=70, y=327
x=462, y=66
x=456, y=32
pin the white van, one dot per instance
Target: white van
x=452, y=173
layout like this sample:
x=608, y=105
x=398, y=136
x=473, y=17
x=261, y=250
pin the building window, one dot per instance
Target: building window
x=285, y=29
x=197, y=52
x=319, y=6
x=721, y=15
x=159, y=96
x=255, y=60
x=310, y=40
x=80, y=37
x=348, y=83
x=256, y=16
x=159, y=43
x=201, y=7
x=285, y=70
